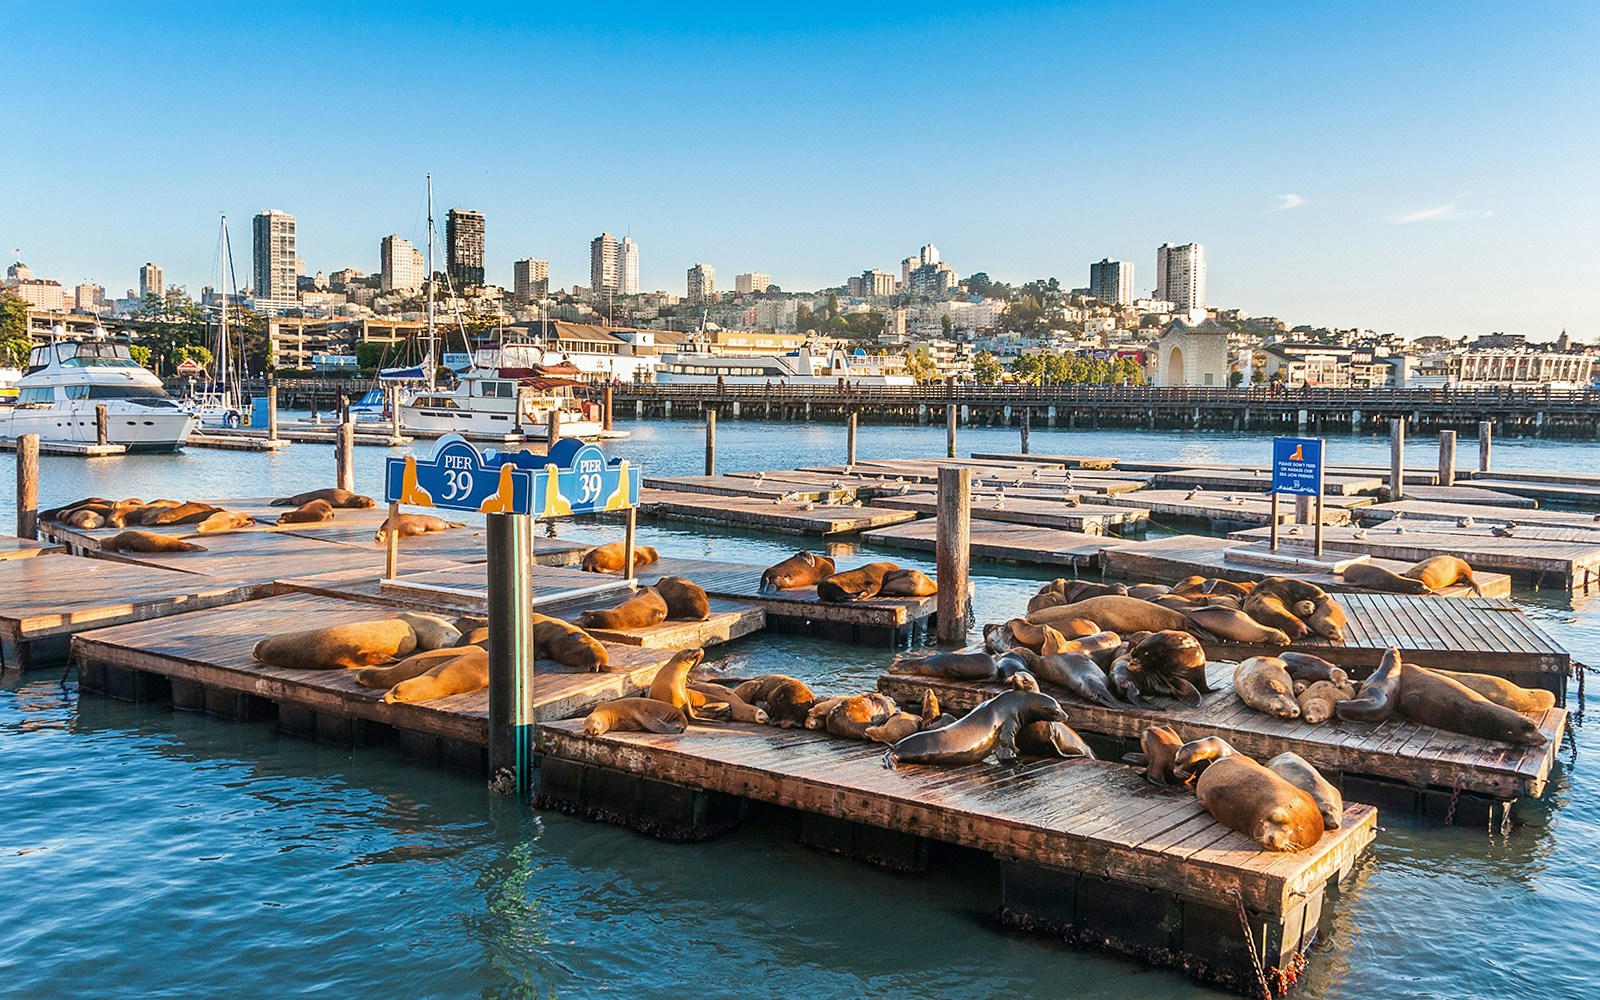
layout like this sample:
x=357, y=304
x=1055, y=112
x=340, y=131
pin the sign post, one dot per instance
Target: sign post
x=1297, y=470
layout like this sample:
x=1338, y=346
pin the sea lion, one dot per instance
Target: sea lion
x=411, y=666
x=685, y=600
x=342, y=499
x=989, y=728
x=1022, y=632
x=817, y=715
x=1443, y=571
x=1297, y=771
x=635, y=715
x=1528, y=701
x=1125, y=683
x=1263, y=683
x=311, y=512
x=964, y=666
x=907, y=583
x=1022, y=680
x=997, y=637
x=851, y=718
x=644, y=609
x=799, y=570
x=930, y=713
x=857, y=584
x=1260, y=804
x=1369, y=576
x=338, y=647
x=1217, y=587
x=146, y=515
x=704, y=692
x=1188, y=585
x=1174, y=658
x=432, y=631
x=1015, y=661
x=1270, y=610
x=671, y=682
x=607, y=558
x=1079, y=674
x=86, y=518
x=786, y=699
x=1051, y=739
x=1436, y=700
x=1145, y=591
x=1327, y=618
x=133, y=540
x=556, y=640
x=1192, y=759
x=1115, y=613
x=1379, y=694
x=467, y=671
x=225, y=520
x=894, y=729
x=1318, y=701
x=190, y=513
x=1235, y=626
x=1061, y=591
x=412, y=525
x=1160, y=745
x=1306, y=667
x=56, y=513
x=1290, y=589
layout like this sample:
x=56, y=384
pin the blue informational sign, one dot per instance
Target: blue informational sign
x=577, y=478
x=458, y=477
x=1297, y=466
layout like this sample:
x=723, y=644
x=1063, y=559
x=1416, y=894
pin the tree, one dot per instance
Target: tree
x=979, y=283
x=804, y=321
x=13, y=316
x=1023, y=315
x=986, y=368
x=142, y=355
x=197, y=353
x=370, y=355
x=1029, y=369
x=921, y=366
x=945, y=324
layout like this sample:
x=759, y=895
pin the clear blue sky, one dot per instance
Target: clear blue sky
x=1421, y=168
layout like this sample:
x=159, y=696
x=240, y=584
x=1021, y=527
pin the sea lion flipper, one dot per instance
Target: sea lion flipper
x=652, y=724
x=1184, y=691
x=1136, y=759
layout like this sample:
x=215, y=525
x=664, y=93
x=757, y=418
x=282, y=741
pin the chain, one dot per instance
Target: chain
x=1250, y=942
x=1455, y=797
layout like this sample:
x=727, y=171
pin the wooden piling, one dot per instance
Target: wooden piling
x=711, y=441
x=1025, y=429
x=953, y=549
x=1302, y=510
x=552, y=430
x=28, y=486
x=394, y=416
x=1397, y=458
x=605, y=408
x=511, y=708
x=102, y=430
x=1485, y=443
x=950, y=430
x=345, y=460
x=850, y=439
x=391, y=557
x=630, y=525
x=1447, y=458
x=272, y=411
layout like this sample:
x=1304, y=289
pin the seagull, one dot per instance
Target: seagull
x=1000, y=503
x=807, y=505
x=1465, y=522
x=854, y=503
x=1294, y=530
x=760, y=476
x=1360, y=533
x=1503, y=531
x=903, y=490
x=1193, y=493
x=1230, y=498
x=1399, y=528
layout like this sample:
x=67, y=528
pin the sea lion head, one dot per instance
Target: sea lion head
x=1168, y=651
x=1160, y=745
x=1277, y=830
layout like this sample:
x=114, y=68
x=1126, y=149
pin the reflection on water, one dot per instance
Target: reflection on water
x=152, y=852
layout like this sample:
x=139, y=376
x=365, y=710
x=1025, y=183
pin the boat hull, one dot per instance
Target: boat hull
x=138, y=428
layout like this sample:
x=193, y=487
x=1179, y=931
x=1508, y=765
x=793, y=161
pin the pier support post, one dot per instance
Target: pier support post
x=272, y=411
x=950, y=430
x=1485, y=443
x=391, y=555
x=1050, y=416
x=1026, y=421
x=552, y=431
x=1397, y=459
x=1302, y=510
x=101, y=429
x=394, y=416
x=630, y=526
x=605, y=408
x=1447, y=458
x=850, y=439
x=28, y=486
x=953, y=550
x=345, y=461
x=511, y=722
x=711, y=441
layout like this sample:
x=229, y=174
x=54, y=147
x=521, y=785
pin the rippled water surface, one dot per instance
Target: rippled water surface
x=145, y=852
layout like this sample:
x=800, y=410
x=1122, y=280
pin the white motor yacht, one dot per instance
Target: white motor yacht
x=499, y=402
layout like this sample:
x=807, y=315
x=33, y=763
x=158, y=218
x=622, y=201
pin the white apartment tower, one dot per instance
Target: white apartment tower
x=530, y=280
x=702, y=283
x=275, y=260
x=929, y=254
x=751, y=283
x=1181, y=275
x=1112, y=281
x=628, y=267
x=400, y=265
x=151, y=280
x=603, y=269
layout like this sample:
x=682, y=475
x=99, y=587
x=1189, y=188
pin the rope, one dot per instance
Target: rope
x=1250, y=942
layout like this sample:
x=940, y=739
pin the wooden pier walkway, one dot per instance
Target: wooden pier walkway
x=1256, y=481
x=1427, y=515
x=789, y=517
x=12, y=547
x=1002, y=542
x=1475, y=496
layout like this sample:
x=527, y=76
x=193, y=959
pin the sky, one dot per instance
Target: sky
x=1414, y=168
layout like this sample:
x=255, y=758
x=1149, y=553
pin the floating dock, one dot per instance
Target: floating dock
x=75, y=449
x=1256, y=481
x=789, y=517
x=1221, y=509
x=1089, y=519
x=12, y=547
x=1002, y=542
x=1426, y=515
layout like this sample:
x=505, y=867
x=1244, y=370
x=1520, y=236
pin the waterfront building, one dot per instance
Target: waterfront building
x=752, y=282
x=1192, y=353
x=464, y=237
x=1112, y=281
x=1181, y=276
x=275, y=262
x=603, y=269
x=401, y=267
x=151, y=280
x=702, y=283
x=628, y=267
x=1503, y=368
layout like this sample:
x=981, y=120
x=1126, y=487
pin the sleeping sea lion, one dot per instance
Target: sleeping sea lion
x=1101, y=647
x=146, y=515
x=467, y=671
x=786, y=699
x=635, y=715
x=704, y=692
x=1160, y=745
x=1369, y=576
x=1015, y=661
x=1270, y=610
x=342, y=499
x=86, y=518
x=997, y=637
x=1235, y=626
x=1263, y=683
x=851, y=718
x=1022, y=680
x=817, y=715
x=1528, y=701
x=1379, y=694
x=225, y=520
x=1079, y=674
x=1192, y=759
x=1260, y=804
x=857, y=584
x=411, y=666
x=338, y=647
x=190, y=513
x=412, y=525
x=907, y=583
x=1443, y=571
x=1319, y=700
x=607, y=558
x=1436, y=700
x=1297, y=771
x=685, y=600
x=1115, y=613
x=556, y=640
x=1327, y=618
x=311, y=512
x=990, y=728
x=1306, y=667
x=1145, y=591
x=1174, y=658
x=1051, y=739
x=895, y=728
x=671, y=682
x=644, y=609
x=964, y=666
x=799, y=570
x=55, y=513
x=432, y=631
x=133, y=540
x=1125, y=683
x=1217, y=587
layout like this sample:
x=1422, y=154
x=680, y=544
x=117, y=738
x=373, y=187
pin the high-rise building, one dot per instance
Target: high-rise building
x=929, y=254
x=400, y=265
x=937, y=280
x=751, y=283
x=88, y=297
x=603, y=276
x=151, y=280
x=1181, y=275
x=906, y=267
x=1112, y=281
x=276, y=263
x=702, y=283
x=530, y=280
x=628, y=267
x=876, y=283
x=463, y=234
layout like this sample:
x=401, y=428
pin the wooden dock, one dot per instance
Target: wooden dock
x=1085, y=848
x=1414, y=756
x=771, y=487
x=1574, y=490
x=1222, y=509
x=1088, y=519
x=1098, y=462
x=1176, y=557
x=1476, y=496
x=75, y=449
x=788, y=517
x=236, y=442
x=12, y=547
x=1001, y=542
x=1427, y=515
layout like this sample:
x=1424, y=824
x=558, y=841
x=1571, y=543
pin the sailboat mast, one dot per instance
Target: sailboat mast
x=222, y=336
x=429, y=362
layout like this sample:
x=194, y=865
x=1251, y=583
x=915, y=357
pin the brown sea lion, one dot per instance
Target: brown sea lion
x=1174, y=658
x=930, y=712
x=133, y=540
x=86, y=518
x=412, y=525
x=56, y=513
x=1528, y=701
x=146, y=515
x=1101, y=647
x=339, y=647
x=1369, y=576
x=1217, y=587
x=786, y=699
x=467, y=671
x=907, y=583
x=1318, y=701
x=644, y=609
x=1297, y=771
x=1443, y=571
x=817, y=715
x=190, y=513
x=1013, y=661
x=964, y=666
x=1079, y=674
x=990, y=728
x=1270, y=610
x=1263, y=683
x=607, y=558
x=312, y=512
x=686, y=602
x=556, y=640
x=635, y=715
x=799, y=570
x=1062, y=591
x=118, y=517
x=1260, y=804
x=671, y=682
x=851, y=718
x=225, y=520
x=432, y=631
x=1235, y=626
x=1115, y=613
x=1160, y=746
x=1306, y=667
x=1327, y=618
x=1379, y=695
x=1051, y=739
x=857, y=584
x=702, y=693
x=1188, y=585
x=1292, y=590
x=1125, y=683
x=894, y=729
x=1145, y=591
x=411, y=666
x=1195, y=756
x=343, y=499
x=1436, y=700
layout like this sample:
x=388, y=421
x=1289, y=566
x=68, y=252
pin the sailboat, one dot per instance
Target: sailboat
x=222, y=404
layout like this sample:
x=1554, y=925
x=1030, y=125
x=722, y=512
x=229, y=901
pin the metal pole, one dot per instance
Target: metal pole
x=1026, y=427
x=272, y=411
x=850, y=439
x=711, y=441
x=391, y=558
x=953, y=547
x=511, y=721
x=630, y=524
x=1447, y=458
x=28, y=486
x=1397, y=459
x=1272, y=532
x=101, y=430
x=950, y=430
x=346, y=464
x=605, y=407
x=1485, y=443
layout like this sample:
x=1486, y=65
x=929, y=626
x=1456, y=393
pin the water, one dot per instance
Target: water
x=152, y=853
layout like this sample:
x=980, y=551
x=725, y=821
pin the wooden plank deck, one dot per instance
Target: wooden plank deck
x=1428, y=515
x=1475, y=495
x=461, y=545
x=1002, y=542
x=12, y=547
x=1574, y=491
x=1230, y=508
x=1089, y=519
x=1256, y=481
x=771, y=487
x=1069, y=461
x=1445, y=760
x=766, y=515
x=1170, y=559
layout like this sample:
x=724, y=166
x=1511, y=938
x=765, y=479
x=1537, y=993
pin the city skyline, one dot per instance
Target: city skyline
x=1427, y=178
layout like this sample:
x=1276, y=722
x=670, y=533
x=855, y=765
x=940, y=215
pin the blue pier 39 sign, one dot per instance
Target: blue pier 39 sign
x=1297, y=466
x=578, y=478
x=575, y=478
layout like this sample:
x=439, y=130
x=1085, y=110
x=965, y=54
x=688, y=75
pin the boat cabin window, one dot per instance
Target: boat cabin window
x=95, y=356
x=38, y=396
x=437, y=402
x=497, y=390
x=114, y=392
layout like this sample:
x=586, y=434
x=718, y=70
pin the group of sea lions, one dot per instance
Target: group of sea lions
x=672, y=597
x=1426, y=577
x=1275, y=611
x=133, y=514
x=878, y=579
